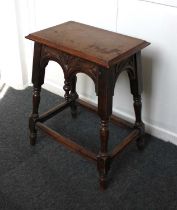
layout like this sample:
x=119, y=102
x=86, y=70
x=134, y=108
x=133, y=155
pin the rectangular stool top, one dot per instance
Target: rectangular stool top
x=94, y=44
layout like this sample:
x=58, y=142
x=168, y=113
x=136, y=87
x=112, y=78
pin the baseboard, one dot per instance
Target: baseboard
x=3, y=90
x=53, y=88
x=16, y=86
x=151, y=129
x=1, y=85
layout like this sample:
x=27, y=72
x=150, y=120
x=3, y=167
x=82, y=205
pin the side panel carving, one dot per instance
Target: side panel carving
x=126, y=65
x=71, y=65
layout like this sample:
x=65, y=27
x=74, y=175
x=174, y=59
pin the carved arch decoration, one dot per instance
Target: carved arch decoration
x=70, y=65
x=127, y=65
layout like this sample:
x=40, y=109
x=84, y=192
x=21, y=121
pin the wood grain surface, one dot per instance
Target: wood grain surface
x=94, y=44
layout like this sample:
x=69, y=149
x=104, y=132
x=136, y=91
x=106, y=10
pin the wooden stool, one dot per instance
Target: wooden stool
x=100, y=54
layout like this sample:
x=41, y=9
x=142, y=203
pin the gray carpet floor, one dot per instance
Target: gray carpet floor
x=49, y=177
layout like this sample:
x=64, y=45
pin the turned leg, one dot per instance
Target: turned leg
x=73, y=96
x=67, y=88
x=37, y=80
x=105, y=97
x=103, y=157
x=136, y=89
x=34, y=116
x=138, y=121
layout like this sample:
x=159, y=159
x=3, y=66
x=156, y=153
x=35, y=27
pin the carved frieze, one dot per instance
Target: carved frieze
x=125, y=65
x=70, y=64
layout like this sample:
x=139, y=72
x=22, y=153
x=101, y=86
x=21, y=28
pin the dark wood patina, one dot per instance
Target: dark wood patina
x=102, y=55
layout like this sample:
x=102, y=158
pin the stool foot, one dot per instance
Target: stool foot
x=140, y=143
x=32, y=129
x=103, y=183
x=33, y=137
x=73, y=109
x=103, y=165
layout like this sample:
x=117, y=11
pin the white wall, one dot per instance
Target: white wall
x=157, y=24
x=10, y=65
x=100, y=13
x=153, y=20
x=16, y=21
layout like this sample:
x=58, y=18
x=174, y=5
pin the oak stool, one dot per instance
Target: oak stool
x=102, y=55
